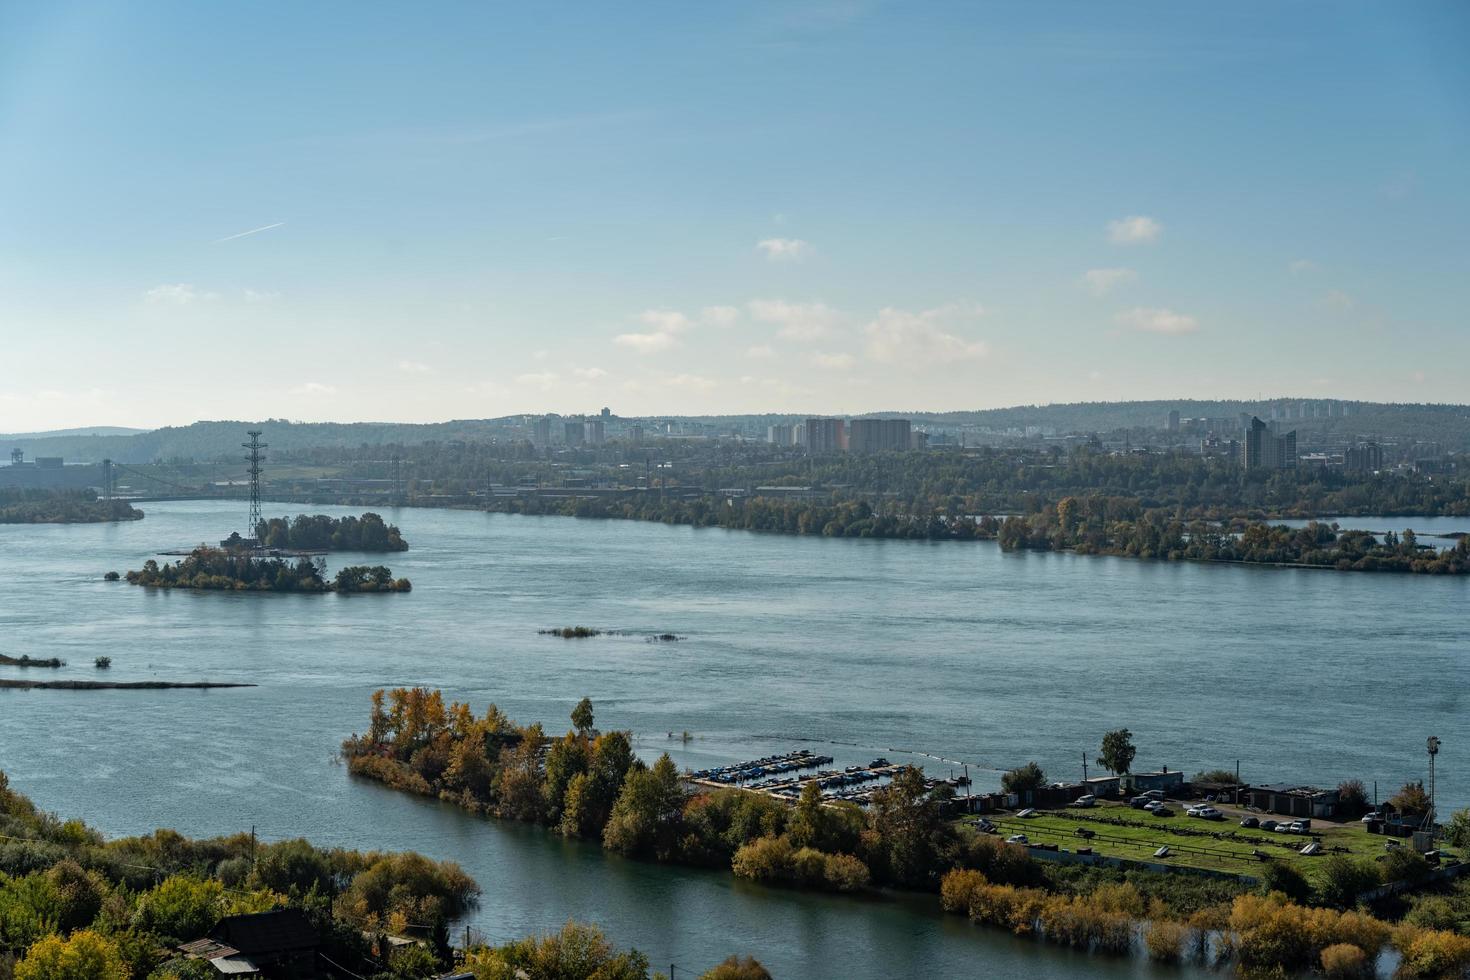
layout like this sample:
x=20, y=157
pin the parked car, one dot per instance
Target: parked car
x=1152, y=805
x=1299, y=827
x=1371, y=816
x=1155, y=794
x=1017, y=839
x=1250, y=823
x=1138, y=802
x=1085, y=801
x=1206, y=812
x=1163, y=811
x=1268, y=824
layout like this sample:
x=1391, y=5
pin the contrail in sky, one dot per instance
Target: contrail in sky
x=252, y=231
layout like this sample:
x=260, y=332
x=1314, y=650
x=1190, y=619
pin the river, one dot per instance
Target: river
x=851, y=647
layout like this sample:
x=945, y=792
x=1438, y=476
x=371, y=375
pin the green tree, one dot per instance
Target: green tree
x=645, y=819
x=1117, y=752
x=1411, y=798
x=1026, y=778
x=911, y=831
x=582, y=716
x=180, y=908
x=1342, y=879
x=85, y=955
x=1457, y=830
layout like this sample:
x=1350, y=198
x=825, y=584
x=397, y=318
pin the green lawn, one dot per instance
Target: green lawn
x=1218, y=845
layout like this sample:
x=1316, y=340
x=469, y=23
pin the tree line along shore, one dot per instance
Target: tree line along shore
x=589, y=784
x=76, y=906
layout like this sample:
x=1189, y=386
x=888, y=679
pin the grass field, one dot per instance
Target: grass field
x=1216, y=845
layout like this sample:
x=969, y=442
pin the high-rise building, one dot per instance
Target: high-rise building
x=1367, y=458
x=576, y=433
x=779, y=435
x=594, y=432
x=606, y=412
x=1263, y=449
x=1174, y=420
x=636, y=434
x=826, y=435
x=878, y=435
x=541, y=432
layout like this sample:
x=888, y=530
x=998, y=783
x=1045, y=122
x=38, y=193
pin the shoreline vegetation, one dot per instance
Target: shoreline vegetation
x=47, y=506
x=7, y=683
x=26, y=660
x=1116, y=526
x=216, y=569
x=77, y=906
x=589, y=784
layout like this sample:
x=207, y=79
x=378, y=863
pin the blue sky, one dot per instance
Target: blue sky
x=427, y=211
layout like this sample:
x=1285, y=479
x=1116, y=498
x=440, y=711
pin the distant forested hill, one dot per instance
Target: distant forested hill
x=1447, y=424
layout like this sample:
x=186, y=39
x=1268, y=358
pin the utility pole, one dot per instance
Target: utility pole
x=1433, y=746
x=252, y=847
x=255, y=446
x=1084, y=767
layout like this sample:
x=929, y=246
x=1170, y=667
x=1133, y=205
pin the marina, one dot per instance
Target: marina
x=780, y=776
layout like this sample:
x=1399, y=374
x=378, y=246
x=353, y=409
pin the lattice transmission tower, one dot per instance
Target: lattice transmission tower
x=255, y=446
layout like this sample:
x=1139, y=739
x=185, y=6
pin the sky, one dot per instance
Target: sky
x=416, y=212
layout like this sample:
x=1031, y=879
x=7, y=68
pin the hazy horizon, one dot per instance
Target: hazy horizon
x=466, y=212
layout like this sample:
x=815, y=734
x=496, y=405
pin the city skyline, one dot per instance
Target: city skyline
x=827, y=208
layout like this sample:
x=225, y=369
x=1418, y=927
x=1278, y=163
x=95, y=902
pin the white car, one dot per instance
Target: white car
x=1152, y=805
x=1085, y=801
x=1206, y=812
x=1017, y=839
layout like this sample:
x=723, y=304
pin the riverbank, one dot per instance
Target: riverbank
x=7, y=683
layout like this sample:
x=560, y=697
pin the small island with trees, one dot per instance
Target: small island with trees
x=220, y=570
x=47, y=506
x=319, y=532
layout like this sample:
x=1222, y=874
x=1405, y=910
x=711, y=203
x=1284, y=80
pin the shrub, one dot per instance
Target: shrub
x=1164, y=939
x=1402, y=864
x=845, y=873
x=1431, y=952
x=1433, y=912
x=1343, y=879
x=1282, y=877
x=767, y=859
x=737, y=968
x=1002, y=863
x=84, y=956
x=958, y=889
x=1344, y=961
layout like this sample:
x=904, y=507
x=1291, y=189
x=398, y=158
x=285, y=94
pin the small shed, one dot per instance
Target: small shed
x=1165, y=780
x=1103, y=787
x=280, y=943
x=1292, y=800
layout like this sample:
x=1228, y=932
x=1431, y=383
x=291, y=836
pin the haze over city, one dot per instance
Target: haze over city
x=403, y=213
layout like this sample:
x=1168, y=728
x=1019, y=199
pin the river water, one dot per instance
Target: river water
x=853, y=648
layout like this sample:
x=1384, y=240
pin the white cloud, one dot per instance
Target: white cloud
x=260, y=296
x=1338, y=301
x=760, y=351
x=798, y=321
x=784, y=249
x=540, y=355
x=414, y=367
x=645, y=343
x=177, y=294
x=1102, y=281
x=589, y=374
x=545, y=380
x=1136, y=229
x=833, y=362
x=664, y=321
x=1301, y=266
x=314, y=388
x=1157, y=321
x=903, y=337
x=719, y=316
x=690, y=382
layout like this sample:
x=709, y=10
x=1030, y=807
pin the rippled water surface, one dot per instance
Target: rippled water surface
x=861, y=647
